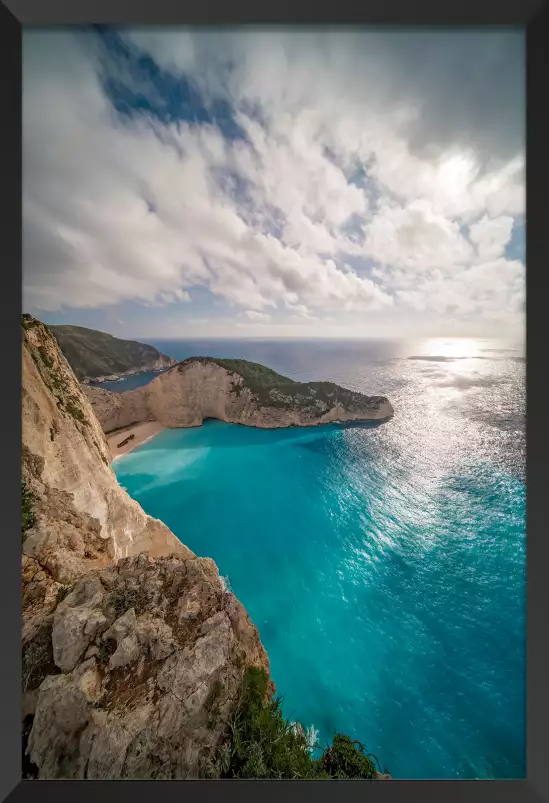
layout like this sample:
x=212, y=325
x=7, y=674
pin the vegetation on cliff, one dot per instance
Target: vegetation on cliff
x=274, y=390
x=27, y=509
x=93, y=354
x=28, y=322
x=261, y=743
x=54, y=375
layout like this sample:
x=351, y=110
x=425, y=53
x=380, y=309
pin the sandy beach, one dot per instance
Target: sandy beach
x=119, y=443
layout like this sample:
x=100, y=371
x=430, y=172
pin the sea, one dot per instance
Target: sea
x=384, y=566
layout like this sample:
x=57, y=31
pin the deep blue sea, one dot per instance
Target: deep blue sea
x=384, y=566
x=128, y=382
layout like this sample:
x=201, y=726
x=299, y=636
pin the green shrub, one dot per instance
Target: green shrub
x=347, y=759
x=121, y=599
x=28, y=322
x=28, y=517
x=37, y=659
x=75, y=411
x=106, y=649
x=260, y=743
x=62, y=592
x=44, y=357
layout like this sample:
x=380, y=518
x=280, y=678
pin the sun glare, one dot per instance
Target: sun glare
x=453, y=347
x=456, y=172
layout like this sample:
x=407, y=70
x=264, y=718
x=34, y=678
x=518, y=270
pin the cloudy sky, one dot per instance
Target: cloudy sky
x=182, y=183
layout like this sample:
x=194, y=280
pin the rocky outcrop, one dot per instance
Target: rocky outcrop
x=131, y=661
x=145, y=660
x=83, y=517
x=235, y=391
x=117, y=410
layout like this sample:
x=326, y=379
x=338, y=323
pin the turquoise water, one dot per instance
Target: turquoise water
x=384, y=566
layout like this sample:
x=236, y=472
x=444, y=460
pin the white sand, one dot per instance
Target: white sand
x=142, y=432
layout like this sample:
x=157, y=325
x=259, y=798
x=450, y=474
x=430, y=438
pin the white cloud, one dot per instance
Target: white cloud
x=491, y=236
x=256, y=316
x=129, y=208
x=92, y=208
x=416, y=238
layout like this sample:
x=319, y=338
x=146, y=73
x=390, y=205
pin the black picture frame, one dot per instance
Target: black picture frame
x=534, y=15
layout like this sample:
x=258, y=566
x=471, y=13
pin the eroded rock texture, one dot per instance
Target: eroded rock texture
x=235, y=391
x=83, y=517
x=144, y=659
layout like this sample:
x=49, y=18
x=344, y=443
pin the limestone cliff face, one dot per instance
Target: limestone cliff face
x=131, y=662
x=200, y=388
x=66, y=465
x=116, y=410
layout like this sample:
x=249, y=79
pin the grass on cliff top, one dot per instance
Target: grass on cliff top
x=28, y=322
x=262, y=744
x=253, y=373
x=274, y=390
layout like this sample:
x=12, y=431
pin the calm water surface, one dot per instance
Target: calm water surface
x=384, y=566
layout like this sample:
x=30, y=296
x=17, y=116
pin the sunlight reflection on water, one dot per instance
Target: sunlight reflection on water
x=384, y=567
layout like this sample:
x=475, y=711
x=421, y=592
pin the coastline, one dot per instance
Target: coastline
x=101, y=380
x=146, y=430
x=142, y=432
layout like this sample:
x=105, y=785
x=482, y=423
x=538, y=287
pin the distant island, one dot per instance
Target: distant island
x=234, y=391
x=99, y=357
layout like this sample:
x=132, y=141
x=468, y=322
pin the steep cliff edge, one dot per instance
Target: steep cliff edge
x=134, y=665
x=66, y=465
x=131, y=667
x=235, y=391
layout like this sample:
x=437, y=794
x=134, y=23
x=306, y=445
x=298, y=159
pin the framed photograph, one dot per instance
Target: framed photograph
x=272, y=335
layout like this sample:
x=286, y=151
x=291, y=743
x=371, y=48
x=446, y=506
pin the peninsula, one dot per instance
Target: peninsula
x=234, y=391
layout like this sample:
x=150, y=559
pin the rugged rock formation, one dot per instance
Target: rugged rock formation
x=130, y=666
x=98, y=356
x=83, y=515
x=235, y=391
x=145, y=660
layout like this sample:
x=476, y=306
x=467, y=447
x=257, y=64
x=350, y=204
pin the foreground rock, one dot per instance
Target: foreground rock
x=139, y=667
x=236, y=391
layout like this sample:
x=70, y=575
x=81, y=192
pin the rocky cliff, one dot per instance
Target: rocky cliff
x=99, y=356
x=236, y=391
x=80, y=507
x=131, y=661
x=135, y=672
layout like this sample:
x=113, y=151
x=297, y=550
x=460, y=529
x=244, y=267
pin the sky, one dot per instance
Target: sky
x=275, y=182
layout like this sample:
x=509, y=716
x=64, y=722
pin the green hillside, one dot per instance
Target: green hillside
x=274, y=390
x=92, y=354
